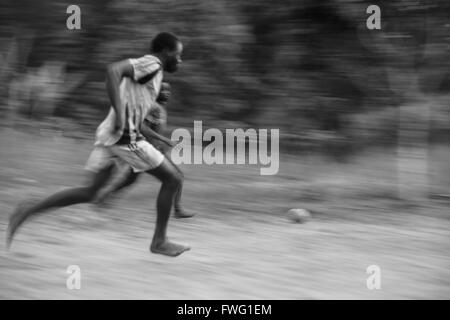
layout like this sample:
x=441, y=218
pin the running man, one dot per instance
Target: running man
x=152, y=129
x=133, y=86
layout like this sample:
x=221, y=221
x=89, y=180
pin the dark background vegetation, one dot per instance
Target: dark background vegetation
x=310, y=68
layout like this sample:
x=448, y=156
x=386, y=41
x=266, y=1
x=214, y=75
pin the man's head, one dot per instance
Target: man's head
x=164, y=94
x=169, y=49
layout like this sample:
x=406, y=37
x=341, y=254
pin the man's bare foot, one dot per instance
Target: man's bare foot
x=168, y=248
x=15, y=220
x=179, y=213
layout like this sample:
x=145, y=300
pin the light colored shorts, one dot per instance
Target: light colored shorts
x=141, y=156
x=101, y=158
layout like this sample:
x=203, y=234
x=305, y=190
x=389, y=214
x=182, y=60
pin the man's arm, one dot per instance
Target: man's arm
x=152, y=134
x=114, y=74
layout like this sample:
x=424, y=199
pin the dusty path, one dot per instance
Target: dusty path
x=242, y=245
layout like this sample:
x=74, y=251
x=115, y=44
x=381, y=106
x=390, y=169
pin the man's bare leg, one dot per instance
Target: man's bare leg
x=171, y=181
x=130, y=177
x=179, y=212
x=58, y=200
x=125, y=180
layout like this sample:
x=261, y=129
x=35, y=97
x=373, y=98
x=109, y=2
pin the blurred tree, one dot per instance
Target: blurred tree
x=310, y=68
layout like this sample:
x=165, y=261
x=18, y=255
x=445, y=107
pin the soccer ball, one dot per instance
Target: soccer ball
x=298, y=215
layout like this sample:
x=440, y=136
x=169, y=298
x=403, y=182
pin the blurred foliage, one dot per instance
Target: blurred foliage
x=310, y=68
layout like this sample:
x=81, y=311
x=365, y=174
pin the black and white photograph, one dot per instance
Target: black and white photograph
x=220, y=150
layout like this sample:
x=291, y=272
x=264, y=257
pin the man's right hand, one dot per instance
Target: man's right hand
x=171, y=143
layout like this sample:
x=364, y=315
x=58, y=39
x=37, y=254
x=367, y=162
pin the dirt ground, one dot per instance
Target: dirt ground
x=243, y=247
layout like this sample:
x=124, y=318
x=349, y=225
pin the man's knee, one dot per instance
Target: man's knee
x=168, y=174
x=175, y=179
x=178, y=178
x=89, y=193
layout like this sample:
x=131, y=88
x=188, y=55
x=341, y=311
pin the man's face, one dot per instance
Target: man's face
x=173, y=58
